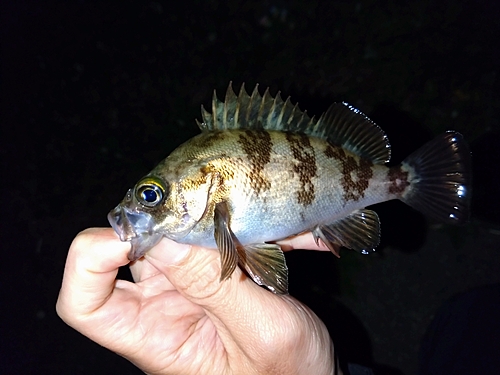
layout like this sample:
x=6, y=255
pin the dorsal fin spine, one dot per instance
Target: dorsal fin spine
x=253, y=113
x=278, y=103
x=215, y=108
x=243, y=107
x=237, y=110
x=265, y=107
x=230, y=104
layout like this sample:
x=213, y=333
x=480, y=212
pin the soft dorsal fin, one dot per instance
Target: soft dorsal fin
x=348, y=127
x=342, y=125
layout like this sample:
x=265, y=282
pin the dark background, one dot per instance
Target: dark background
x=94, y=94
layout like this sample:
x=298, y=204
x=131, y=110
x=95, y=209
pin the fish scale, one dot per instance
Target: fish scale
x=261, y=193
x=262, y=170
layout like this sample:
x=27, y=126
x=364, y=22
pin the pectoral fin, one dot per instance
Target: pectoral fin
x=224, y=240
x=359, y=231
x=265, y=263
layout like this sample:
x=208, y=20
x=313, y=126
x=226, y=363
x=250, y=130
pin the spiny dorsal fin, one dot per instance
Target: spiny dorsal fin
x=253, y=112
x=342, y=124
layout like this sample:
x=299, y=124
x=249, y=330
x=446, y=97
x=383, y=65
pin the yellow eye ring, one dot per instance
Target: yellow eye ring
x=150, y=191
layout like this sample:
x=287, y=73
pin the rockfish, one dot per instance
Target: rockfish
x=263, y=170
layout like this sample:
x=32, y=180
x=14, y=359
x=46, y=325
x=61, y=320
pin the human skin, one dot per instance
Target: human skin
x=178, y=318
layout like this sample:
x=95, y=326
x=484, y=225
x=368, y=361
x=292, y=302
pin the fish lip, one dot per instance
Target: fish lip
x=135, y=227
x=119, y=221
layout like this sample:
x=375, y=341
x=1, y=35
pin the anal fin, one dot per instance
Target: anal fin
x=265, y=263
x=359, y=231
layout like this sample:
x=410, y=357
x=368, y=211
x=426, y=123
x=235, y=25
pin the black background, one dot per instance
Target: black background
x=94, y=94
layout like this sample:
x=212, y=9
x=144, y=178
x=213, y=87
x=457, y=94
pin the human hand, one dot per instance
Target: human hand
x=178, y=318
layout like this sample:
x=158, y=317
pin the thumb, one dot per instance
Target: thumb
x=195, y=271
x=237, y=302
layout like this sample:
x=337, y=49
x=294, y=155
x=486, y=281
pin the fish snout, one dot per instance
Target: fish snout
x=129, y=223
x=136, y=227
x=117, y=217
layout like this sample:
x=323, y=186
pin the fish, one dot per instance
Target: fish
x=263, y=170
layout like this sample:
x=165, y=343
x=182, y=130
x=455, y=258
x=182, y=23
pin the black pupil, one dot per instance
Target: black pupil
x=150, y=195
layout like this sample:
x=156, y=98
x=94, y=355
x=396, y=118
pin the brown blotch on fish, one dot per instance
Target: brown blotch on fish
x=222, y=166
x=221, y=171
x=398, y=180
x=331, y=152
x=210, y=139
x=257, y=146
x=305, y=167
x=356, y=174
x=194, y=182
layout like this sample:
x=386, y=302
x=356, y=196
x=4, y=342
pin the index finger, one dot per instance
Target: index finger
x=303, y=241
x=89, y=275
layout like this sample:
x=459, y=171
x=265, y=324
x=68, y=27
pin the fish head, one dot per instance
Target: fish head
x=160, y=205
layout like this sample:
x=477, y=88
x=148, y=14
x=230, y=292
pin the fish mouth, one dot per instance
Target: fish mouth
x=135, y=227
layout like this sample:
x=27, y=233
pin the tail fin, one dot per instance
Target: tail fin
x=440, y=176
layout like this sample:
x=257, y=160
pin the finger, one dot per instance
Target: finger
x=89, y=275
x=142, y=270
x=303, y=241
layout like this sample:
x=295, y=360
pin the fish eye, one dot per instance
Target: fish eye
x=150, y=191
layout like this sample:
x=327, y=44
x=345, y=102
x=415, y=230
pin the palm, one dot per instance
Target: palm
x=158, y=325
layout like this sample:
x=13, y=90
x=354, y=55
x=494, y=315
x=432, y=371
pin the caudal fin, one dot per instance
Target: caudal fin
x=440, y=177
